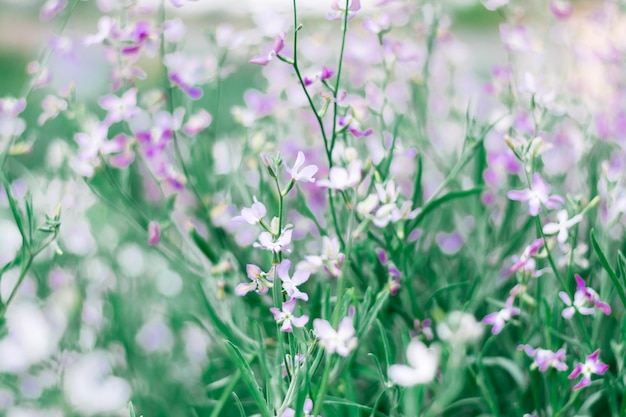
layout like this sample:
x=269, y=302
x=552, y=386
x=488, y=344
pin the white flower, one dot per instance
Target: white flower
x=459, y=327
x=341, y=340
x=423, y=363
x=298, y=173
x=341, y=178
x=252, y=215
x=561, y=228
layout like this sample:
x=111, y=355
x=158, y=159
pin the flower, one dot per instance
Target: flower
x=154, y=233
x=290, y=284
x=526, y=261
x=52, y=106
x=51, y=8
x=197, y=123
x=459, y=327
x=331, y=259
x=120, y=108
x=287, y=318
x=545, y=358
x=308, y=407
x=338, y=9
x=561, y=227
x=279, y=44
x=298, y=173
x=252, y=215
x=261, y=281
x=499, y=318
x=423, y=363
x=276, y=245
x=340, y=178
x=591, y=366
x=586, y=300
x=340, y=341
x=537, y=195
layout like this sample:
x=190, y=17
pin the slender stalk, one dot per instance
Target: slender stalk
x=344, y=30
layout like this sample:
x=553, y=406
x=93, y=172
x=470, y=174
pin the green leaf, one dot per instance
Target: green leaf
x=373, y=312
x=605, y=263
x=242, y=413
x=248, y=377
x=453, y=195
x=346, y=403
x=204, y=246
x=131, y=409
x=510, y=367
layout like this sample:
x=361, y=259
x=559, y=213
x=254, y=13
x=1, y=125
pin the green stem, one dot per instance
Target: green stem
x=228, y=390
x=344, y=30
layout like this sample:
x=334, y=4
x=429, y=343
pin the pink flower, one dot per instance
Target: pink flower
x=545, y=359
x=340, y=341
x=261, y=281
x=586, y=300
x=561, y=9
x=290, y=283
x=537, y=195
x=287, y=318
x=279, y=44
x=154, y=233
x=526, y=262
x=300, y=173
x=591, y=366
x=197, y=123
x=499, y=318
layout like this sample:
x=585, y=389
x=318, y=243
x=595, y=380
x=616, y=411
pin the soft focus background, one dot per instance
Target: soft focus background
x=112, y=318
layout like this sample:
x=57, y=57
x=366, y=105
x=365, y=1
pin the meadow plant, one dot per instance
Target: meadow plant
x=342, y=212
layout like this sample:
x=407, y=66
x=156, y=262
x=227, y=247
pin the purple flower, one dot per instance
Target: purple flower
x=536, y=195
x=154, y=233
x=287, y=318
x=300, y=173
x=340, y=341
x=545, y=359
x=51, y=8
x=591, y=366
x=185, y=73
x=279, y=44
x=561, y=227
x=252, y=215
x=308, y=407
x=290, y=283
x=499, y=318
x=298, y=359
x=261, y=281
x=120, y=108
x=338, y=9
x=586, y=300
